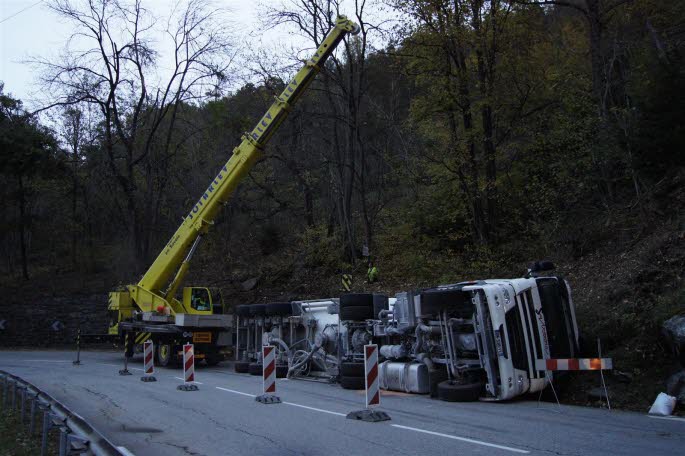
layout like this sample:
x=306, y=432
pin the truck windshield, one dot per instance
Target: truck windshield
x=199, y=299
x=517, y=339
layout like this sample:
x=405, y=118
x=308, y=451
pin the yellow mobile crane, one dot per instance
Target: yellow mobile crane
x=150, y=309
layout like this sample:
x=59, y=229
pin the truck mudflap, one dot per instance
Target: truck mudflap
x=486, y=346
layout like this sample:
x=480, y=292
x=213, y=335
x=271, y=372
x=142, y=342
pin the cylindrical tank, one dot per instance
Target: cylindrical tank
x=407, y=377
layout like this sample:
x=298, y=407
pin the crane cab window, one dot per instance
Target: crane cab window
x=199, y=299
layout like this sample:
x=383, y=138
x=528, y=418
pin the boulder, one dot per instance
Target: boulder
x=249, y=284
x=673, y=332
x=675, y=386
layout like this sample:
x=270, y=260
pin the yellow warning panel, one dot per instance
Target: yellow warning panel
x=203, y=337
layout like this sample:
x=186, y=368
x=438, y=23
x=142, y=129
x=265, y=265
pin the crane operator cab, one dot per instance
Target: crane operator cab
x=201, y=300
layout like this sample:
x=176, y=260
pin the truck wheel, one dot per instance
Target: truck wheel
x=435, y=377
x=352, y=383
x=241, y=367
x=356, y=300
x=352, y=370
x=279, y=308
x=451, y=391
x=380, y=302
x=356, y=313
x=164, y=354
x=281, y=370
x=242, y=310
x=255, y=368
x=433, y=301
x=257, y=309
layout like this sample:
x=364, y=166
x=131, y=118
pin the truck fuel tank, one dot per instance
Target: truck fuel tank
x=405, y=377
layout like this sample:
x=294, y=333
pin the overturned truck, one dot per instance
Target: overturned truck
x=464, y=341
x=477, y=340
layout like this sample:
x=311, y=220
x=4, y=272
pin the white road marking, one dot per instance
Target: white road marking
x=199, y=383
x=137, y=368
x=670, y=418
x=463, y=439
x=287, y=403
x=235, y=392
x=314, y=409
x=43, y=361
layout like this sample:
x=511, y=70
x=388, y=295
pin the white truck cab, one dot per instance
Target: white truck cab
x=515, y=323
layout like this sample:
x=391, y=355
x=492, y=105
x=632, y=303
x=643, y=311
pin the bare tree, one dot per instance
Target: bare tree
x=344, y=88
x=111, y=62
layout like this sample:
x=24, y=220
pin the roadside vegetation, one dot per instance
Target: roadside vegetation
x=15, y=439
x=479, y=136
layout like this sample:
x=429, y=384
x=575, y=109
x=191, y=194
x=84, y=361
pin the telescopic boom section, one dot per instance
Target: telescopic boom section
x=149, y=290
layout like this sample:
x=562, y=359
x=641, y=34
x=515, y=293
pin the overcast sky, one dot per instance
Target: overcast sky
x=30, y=29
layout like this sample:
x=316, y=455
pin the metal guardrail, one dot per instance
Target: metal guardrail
x=76, y=436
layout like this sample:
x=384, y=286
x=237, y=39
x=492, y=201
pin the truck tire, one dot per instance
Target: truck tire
x=352, y=370
x=257, y=309
x=242, y=310
x=356, y=300
x=164, y=354
x=279, y=308
x=451, y=391
x=241, y=367
x=435, y=377
x=380, y=302
x=435, y=301
x=281, y=370
x=255, y=368
x=356, y=313
x=352, y=383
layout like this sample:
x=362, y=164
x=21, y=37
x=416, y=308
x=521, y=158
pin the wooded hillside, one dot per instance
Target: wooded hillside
x=484, y=135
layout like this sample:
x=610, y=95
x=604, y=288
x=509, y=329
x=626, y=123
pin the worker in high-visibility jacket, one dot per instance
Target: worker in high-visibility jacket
x=372, y=273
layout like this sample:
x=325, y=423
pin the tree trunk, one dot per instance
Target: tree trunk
x=21, y=226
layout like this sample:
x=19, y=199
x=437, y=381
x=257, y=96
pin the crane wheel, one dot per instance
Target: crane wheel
x=164, y=354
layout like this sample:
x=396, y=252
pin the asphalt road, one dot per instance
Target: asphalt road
x=223, y=418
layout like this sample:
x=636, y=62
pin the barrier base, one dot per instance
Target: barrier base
x=372, y=416
x=124, y=372
x=76, y=363
x=148, y=378
x=268, y=399
x=187, y=387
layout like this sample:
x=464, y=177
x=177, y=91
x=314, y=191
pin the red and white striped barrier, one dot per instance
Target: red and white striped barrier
x=148, y=362
x=372, y=387
x=148, y=352
x=574, y=364
x=373, y=394
x=269, y=376
x=188, y=369
x=269, y=368
x=188, y=363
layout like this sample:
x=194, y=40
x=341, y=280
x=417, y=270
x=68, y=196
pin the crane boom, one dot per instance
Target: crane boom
x=157, y=287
